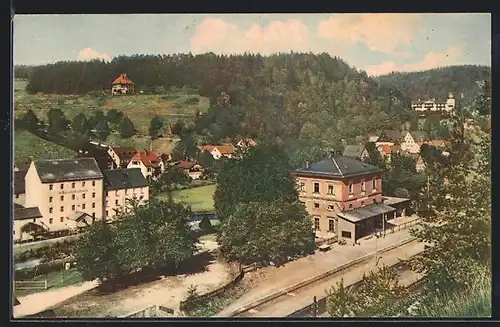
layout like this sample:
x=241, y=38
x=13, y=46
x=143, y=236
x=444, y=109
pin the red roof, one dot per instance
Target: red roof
x=186, y=164
x=386, y=149
x=148, y=158
x=123, y=79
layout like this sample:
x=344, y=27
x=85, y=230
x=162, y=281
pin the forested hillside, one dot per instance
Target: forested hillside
x=286, y=95
x=437, y=83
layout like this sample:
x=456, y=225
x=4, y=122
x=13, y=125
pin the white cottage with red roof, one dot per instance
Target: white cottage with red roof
x=149, y=162
x=122, y=85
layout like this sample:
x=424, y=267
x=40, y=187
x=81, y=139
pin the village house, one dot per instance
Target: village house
x=121, y=156
x=98, y=151
x=422, y=108
x=122, y=185
x=59, y=188
x=412, y=141
x=246, y=143
x=192, y=168
x=344, y=197
x=26, y=223
x=219, y=151
x=122, y=85
x=149, y=163
x=355, y=151
x=389, y=137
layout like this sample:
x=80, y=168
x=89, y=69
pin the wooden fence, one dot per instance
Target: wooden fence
x=30, y=285
x=406, y=225
x=188, y=304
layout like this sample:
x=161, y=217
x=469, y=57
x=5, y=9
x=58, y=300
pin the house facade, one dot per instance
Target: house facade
x=122, y=185
x=121, y=156
x=58, y=188
x=191, y=168
x=356, y=151
x=343, y=197
x=219, y=151
x=122, y=85
x=432, y=106
x=389, y=137
x=412, y=140
x=148, y=162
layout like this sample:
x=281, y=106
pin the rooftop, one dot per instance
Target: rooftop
x=124, y=179
x=26, y=213
x=354, y=151
x=338, y=166
x=186, y=164
x=67, y=169
x=19, y=185
x=362, y=213
x=123, y=79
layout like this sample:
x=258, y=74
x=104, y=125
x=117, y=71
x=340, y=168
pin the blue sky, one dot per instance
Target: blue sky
x=377, y=43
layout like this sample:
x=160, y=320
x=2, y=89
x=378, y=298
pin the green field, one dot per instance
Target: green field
x=27, y=144
x=140, y=108
x=55, y=279
x=161, y=145
x=199, y=198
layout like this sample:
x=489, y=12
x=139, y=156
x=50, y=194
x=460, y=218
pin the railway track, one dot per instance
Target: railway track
x=298, y=294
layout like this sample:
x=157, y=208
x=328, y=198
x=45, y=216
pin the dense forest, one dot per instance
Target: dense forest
x=295, y=95
x=437, y=83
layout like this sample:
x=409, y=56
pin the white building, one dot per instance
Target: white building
x=148, y=162
x=219, y=151
x=121, y=185
x=412, y=141
x=429, y=106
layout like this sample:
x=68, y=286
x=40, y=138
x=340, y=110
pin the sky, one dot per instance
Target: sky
x=376, y=43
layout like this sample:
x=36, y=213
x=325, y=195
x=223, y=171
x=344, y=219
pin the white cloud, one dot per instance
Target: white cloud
x=379, y=32
x=451, y=56
x=217, y=36
x=89, y=54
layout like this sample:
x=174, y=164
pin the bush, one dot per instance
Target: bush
x=42, y=269
x=48, y=253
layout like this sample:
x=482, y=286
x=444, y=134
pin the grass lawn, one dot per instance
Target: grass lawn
x=199, y=198
x=55, y=279
x=27, y=144
x=162, y=145
x=140, y=108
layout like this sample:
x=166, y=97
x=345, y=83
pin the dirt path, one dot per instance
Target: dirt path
x=270, y=279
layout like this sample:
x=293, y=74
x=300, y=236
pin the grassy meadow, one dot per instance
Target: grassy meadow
x=28, y=145
x=199, y=198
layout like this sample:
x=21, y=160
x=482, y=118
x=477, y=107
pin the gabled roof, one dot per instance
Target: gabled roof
x=123, y=79
x=27, y=213
x=148, y=158
x=338, y=166
x=419, y=136
x=67, y=169
x=353, y=151
x=124, y=179
x=393, y=135
x=208, y=148
x=18, y=206
x=226, y=149
x=19, y=185
x=186, y=164
x=124, y=153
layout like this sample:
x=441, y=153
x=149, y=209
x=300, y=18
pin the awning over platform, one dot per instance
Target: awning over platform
x=392, y=200
x=363, y=213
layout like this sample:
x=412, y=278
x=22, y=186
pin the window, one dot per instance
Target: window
x=93, y=214
x=51, y=220
x=50, y=210
x=93, y=195
x=83, y=196
x=363, y=186
x=316, y=223
x=62, y=197
x=316, y=187
x=62, y=186
x=34, y=220
x=316, y=206
x=61, y=219
x=93, y=183
x=331, y=225
x=83, y=184
x=93, y=205
x=107, y=193
x=50, y=199
x=330, y=207
x=106, y=212
x=72, y=185
x=51, y=187
x=362, y=203
x=331, y=189
x=302, y=186
x=83, y=206
x=116, y=202
x=346, y=234
x=350, y=206
x=374, y=184
x=351, y=191
x=61, y=209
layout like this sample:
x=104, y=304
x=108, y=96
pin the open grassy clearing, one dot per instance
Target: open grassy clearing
x=27, y=144
x=55, y=279
x=161, y=145
x=199, y=198
x=140, y=108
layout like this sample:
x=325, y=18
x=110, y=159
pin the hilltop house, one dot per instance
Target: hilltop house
x=149, y=162
x=344, y=197
x=355, y=151
x=422, y=108
x=191, y=168
x=218, y=151
x=122, y=85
